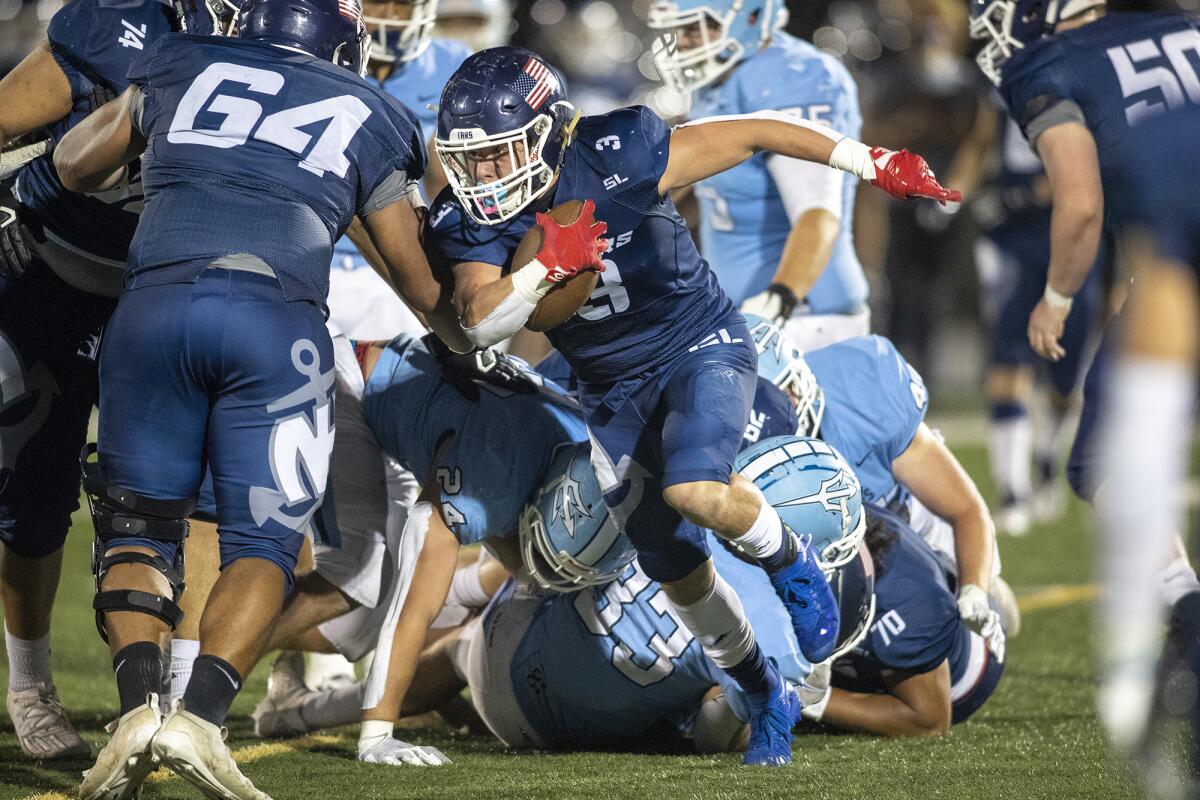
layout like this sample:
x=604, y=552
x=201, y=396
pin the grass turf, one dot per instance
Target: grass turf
x=1038, y=737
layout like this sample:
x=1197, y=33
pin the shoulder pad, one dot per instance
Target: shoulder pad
x=101, y=37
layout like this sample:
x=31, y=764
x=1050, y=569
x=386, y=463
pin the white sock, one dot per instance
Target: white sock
x=183, y=654
x=28, y=661
x=332, y=708
x=765, y=536
x=1178, y=580
x=1049, y=437
x=1144, y=438
x=1010, y=447
x=719, y=622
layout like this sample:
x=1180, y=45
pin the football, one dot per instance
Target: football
x=565, y=299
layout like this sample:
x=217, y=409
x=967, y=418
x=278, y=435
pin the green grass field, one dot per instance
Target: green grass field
x=1038, y=737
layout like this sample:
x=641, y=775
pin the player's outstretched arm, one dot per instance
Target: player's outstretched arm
x=1068, y=152
x=917, y=705
x=94, y=154
x=706, y=147
x=938, y=480
x=35, y=94
x=394, y=240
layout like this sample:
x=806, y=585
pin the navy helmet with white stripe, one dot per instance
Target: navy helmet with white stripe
x=508, y=106
x=813, y=489
x=568, y=538
x=332, y=30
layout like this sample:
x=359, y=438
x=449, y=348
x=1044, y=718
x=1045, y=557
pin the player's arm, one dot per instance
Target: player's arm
x=812, y=199
x=934, y=476
x=706, y=147
x=492, y=307
x=35, y=94
x=435, y=174
x=427, y=590
x=917, y=704
x=94, y=155
x=1068, y=152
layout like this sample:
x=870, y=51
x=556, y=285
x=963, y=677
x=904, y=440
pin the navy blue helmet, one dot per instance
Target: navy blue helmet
x=332, y=30
x=207, y=17
x=1009, y=25
x=505, y=108
x=853, y=585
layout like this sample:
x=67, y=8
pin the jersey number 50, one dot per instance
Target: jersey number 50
x=345, y=113
x=1174, y=83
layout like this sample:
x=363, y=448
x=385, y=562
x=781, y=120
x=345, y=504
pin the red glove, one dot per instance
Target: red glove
x=903, y=175
x=570, y=249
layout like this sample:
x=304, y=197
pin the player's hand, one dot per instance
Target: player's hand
x=461, y=370
x=973, y=608
x=903, y=175
x=815, y=690
x=570, y=249
x=396, y=753
x=776, y=303
x=14, y=254
x=1045, y=329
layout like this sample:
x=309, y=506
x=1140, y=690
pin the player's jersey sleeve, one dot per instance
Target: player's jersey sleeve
x=94, y=40
x=630, y=143
x=1040, y=90
x=395, y=177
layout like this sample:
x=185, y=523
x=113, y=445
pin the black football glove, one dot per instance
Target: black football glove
x=14, y=254
x=776, y=303
x=462, y=370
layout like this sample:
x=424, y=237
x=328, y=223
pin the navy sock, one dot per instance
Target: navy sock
x=754, y=674
x=785, y=556
x=139, y=669
x=211, y=689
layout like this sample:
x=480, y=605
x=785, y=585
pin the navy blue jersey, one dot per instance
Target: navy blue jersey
x=916, y=625
x=1119, y=70
x=93, y=42
x=260, y=153
x=657, y=296
x=773, y=414
x=1021, y=190
x=1157, y=185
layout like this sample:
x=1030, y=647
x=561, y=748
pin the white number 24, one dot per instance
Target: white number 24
x=345, y=113
x=1177, y=83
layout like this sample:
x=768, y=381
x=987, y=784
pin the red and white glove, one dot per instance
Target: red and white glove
x=566, y=251
x=899, y=173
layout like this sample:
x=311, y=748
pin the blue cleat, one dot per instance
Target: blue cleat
x=772, y=717
x=805, y=592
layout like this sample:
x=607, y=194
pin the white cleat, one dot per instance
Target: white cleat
x=1013, y=519
x=326, y=671
x=278, y=713
x=1006, y=602
x=195, y=750
x=126, y=760
x=42, y=725
x=1049, y=502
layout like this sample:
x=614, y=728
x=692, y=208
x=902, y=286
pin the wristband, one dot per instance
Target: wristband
x=530, y=281
x=1059, y=302
x=854, y=157
x=372, y=732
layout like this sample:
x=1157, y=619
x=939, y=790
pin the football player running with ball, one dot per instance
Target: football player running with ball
x=665, y=363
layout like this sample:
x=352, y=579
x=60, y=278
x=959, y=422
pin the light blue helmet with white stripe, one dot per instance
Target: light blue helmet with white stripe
x=568, y=538
x=701, y=40
x=813, y=489
x=781, y=361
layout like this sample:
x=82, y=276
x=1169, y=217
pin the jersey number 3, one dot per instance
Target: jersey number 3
x=345, y=114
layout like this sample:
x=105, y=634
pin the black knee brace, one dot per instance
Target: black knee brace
x=120, y=513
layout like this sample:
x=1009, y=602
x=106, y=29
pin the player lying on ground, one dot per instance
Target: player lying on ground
x=61, y=257
x=658, y=345
x=181, y=383
x=611, y=665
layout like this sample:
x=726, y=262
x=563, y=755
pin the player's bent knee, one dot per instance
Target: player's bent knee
x=698, y=501
x=134, y=530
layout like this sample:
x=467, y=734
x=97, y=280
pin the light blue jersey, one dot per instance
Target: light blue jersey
x=489, y=456
x=604, y=666
x=874, y=403
x=744, y=225
x=418, y=84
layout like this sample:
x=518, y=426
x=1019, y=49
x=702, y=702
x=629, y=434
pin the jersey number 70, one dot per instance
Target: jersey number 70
x=345, y=113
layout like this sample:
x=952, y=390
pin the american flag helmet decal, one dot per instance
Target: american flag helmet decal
x=351, y=9
x=537, y=81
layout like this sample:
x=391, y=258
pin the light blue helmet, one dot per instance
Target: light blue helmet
x=701, y=40
x=813, y=489
x=781, y=361
x=853, y=585
x=568, y=538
